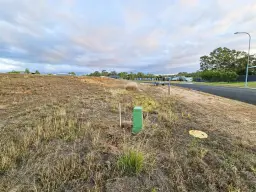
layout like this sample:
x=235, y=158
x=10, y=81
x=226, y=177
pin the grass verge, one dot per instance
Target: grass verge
x=231, y=84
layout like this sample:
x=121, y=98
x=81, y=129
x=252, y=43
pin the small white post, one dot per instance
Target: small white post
x=120, y=111
x=169, y=88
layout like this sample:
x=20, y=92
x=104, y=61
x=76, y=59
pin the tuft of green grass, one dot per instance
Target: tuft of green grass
x=131, y=163
x=253, y=169
x=148, y=104
x=231, y=188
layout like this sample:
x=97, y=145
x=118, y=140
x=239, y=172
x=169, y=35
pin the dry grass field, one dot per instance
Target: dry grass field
x=62, y=134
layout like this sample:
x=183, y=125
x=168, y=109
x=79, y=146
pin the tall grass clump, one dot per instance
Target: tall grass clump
x=131, y=163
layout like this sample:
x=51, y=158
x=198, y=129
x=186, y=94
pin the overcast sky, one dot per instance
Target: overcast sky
x=156, y=36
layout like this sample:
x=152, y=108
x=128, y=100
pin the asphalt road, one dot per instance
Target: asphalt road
x=241, y=94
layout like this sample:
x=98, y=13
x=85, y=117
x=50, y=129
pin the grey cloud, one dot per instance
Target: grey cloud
x=39, y=34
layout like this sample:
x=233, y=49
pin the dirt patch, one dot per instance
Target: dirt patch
x=2, y=107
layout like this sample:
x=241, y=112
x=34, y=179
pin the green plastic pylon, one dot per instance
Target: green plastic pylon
x=137, y=120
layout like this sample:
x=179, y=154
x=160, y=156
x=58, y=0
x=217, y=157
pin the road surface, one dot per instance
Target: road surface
x=241, y=94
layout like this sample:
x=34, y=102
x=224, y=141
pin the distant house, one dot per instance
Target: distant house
x=175, y=79
x=189, y=79
x=167, y=78
x=179, y=78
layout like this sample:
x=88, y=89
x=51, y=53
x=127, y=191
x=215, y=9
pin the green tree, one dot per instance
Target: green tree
x=131, y=76
x=123, y=75
x=112, y=73
x=183, y=74
x=229, y=76
x=96, y=74
x=37, y=72
x=140, y=75
x=72, y=73
x=217, y=75
x=14, y=72
x=227, y=60
x=27, y=71
x=104, y=73
x=206, y=63
x=149, y=75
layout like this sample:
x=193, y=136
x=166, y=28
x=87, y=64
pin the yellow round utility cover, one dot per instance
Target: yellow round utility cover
x=198, y=134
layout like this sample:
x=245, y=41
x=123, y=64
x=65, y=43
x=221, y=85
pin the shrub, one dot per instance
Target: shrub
x=131, y=163
x=231, y=76
x=14, y=72
x=27, y=71
x=72, y=73
x=37, y=72
x=215, y=75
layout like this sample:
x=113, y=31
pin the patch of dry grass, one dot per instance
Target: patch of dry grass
x=64, y=135
x=132, y=86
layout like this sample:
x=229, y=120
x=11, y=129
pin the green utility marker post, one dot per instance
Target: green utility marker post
x=137, y=120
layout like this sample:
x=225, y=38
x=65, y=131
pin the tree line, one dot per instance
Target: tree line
x=223, y=64
x=225, y=59
x=123, y=75
x=27, y=71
